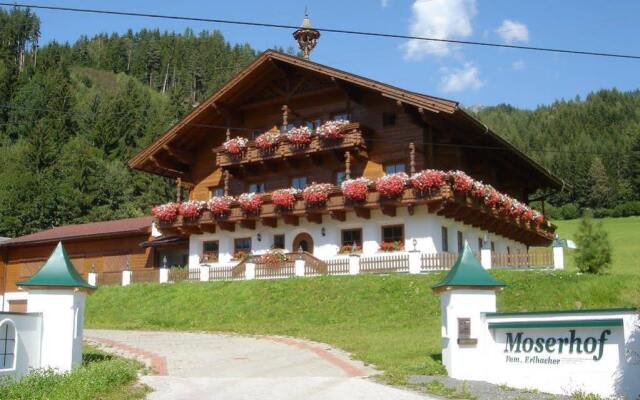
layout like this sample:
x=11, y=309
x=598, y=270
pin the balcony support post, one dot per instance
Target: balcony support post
x=347, y=165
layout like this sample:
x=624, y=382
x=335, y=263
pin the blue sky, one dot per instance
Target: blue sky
x=471, y=75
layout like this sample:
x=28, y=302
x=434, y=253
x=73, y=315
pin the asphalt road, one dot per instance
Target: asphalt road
x=233, y=367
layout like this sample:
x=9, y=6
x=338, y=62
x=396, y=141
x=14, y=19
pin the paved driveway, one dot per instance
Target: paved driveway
x=231, y=367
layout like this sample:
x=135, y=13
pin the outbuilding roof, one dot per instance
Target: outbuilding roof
x=58, y=271
x=80, y=231
x=468, y=272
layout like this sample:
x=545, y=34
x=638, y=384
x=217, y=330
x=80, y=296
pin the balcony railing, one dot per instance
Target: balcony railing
x=354, y=138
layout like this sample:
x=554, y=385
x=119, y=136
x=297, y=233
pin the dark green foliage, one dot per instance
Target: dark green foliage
x=594, y=250
x=71, y=116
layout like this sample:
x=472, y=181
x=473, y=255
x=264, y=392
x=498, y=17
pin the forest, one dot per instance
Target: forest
x=72, y=114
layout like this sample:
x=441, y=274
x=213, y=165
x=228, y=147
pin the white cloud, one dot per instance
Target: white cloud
x=518, y=65
x=459, y=79
x=384, y=3
x=441, y=19
x=513, y=31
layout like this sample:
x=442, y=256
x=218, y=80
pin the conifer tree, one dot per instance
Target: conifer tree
x=593, y=254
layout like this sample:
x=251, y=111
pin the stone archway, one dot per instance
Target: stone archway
x=303, y=240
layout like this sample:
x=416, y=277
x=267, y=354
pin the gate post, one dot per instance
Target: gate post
x=558, y=253
x=250, y=272
x=126, y=278
x=204, y=273
x=415, y=262
x=354, y=264
x=299, y=266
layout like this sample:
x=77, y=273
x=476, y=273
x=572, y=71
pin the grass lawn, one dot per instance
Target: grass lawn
x=624, y=234
x=101, y=376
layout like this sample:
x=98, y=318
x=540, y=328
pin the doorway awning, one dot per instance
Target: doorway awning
x=165, y=241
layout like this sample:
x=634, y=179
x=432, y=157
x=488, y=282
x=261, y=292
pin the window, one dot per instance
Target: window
x=210, y=250
x=313, y=124
x=242, y=244
x=258, y=187
x=445, y=239
x=388, y=119
x=493, y=246
x=7, y=345
x=394, y=233
x=255, y=133
x=340, y=116
x=278, y=241
x=460, y=242
x=299, y=182
x=464, y=328
x=480, y=244
x=393, y=168
x=217, y=192
x=340, y=177
x=508, y=250
x=351, y=236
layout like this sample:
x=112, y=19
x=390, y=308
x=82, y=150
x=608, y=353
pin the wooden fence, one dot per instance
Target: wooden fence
x=385, y=263
x=337, y=266
x=437, y=261
x=145, y=275
x=522, y=260
x=109, y=278
x=184, y=274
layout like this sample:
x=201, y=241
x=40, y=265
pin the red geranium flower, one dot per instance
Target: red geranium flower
x=166, y=212
x=391, y=186
x=427, y=180
x=316, y=194
x=356, y=189
x=284, y=198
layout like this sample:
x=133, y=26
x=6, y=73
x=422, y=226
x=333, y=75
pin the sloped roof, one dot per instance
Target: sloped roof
x=262, y=65
x=81, y=231
x=467, y=272
x=57, y=271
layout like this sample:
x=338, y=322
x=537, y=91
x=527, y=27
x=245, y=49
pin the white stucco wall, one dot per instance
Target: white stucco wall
x=28, y=344
x=424, y=227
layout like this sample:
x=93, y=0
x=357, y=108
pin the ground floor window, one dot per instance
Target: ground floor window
x=460, y=242
x=393, y=233
x=445, y=239
x=210, y=251
x=241, y=246
x=480, y=243
x=351, y=237
x=278, y=241
x=7, y=345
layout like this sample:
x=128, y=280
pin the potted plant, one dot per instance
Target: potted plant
x=332, y=130
x=477, y=189
x=427, y=181
x=235, y=146
x=273, y=258
x=300, y=136
x=461, y=182
x=491, y=196
x=356, y=189
x=350, y=249
x=220, y=206
x=391, y=246
x=284, y=199
x=391, y=186
x=192, y=209
x=268, y=140
x=316, y=194
x=250, y=203
x=166, y=212
x=240, y=255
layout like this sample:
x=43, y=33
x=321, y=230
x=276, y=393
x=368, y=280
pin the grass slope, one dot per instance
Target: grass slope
x=391, y=321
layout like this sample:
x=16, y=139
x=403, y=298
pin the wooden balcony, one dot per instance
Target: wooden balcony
x=354, y=140
x=443, y=202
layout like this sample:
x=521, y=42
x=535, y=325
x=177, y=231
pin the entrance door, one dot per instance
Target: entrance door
x=304, y=241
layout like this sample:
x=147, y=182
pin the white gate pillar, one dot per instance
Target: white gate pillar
x=250, y=272
x=354, y=264
x=415, y=262
x=558, y=253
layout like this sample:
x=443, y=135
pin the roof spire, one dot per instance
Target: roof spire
x=306, y=36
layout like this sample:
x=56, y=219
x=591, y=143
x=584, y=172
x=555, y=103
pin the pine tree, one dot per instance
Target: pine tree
x=594, y=249
x=600, y=189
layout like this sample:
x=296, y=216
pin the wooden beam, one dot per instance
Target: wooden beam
x=164, y=167
x=270, y=222
x=338, y=215
x=291, y=220
x=389, y=210
x=182, y=156
x=353, y=93
x=208, y=227
x=248, y=224
x=227, y=226
x=411, y=208
x=315, y=218
x=362, y=212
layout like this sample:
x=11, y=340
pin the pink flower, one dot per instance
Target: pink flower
x=332, y=129
x=236, y=145
x=166, y=212
x=462, y=183
x=220, y=206
x=268, y=140
x=300, y=136
x=356, y=189
x=192, y=209
x=427, y=180
x=316, y=194
x=391, y=186
x=285, y=199
x=250, y=203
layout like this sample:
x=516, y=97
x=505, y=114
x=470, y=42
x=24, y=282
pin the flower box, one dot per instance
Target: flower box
x=220, y=206
x=166, y=212
x=235, y=146
x=273, y=258
x=268, y=140
x=461, y=182
x=392, y=186
x=284, y=199
x=250, y=203
x=300, y=136
x=350, y=249
x=391, y=246
x=427, y=181
x=316, y=194
x=356, y=189
x=332, y=130
x=192, y=209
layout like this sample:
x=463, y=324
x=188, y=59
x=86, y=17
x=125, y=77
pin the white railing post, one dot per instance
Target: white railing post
x=299, y=266
x=91, y=278
x=485, y=257
x=354, y=264
x=164, y=275
x=415, y=262
x=126, y=278
x=558, y=253
x=250, y=272
x=204, y=273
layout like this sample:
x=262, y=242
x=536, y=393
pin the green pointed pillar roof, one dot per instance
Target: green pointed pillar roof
x=467, y=272
x=58, y=271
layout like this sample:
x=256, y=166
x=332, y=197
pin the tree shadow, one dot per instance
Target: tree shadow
x=91, y=357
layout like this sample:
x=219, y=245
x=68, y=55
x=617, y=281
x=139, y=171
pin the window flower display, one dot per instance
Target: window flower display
x=356, y=189
x=250, y=203
x=461, y=182
x=477, y=189
x=285, y=199
x=220, y=206
x=391, y=186
x=166, y=212
x=427, y=180
x=517, y=209
x=316, y=194
x=268, y=140
x=332, y=129
x=527, y=215
x=391, y=246
x=273, y=258
x=537, y=218
x=192, y=209
x=300, y=136
x=236, y=145
x=491, y=196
